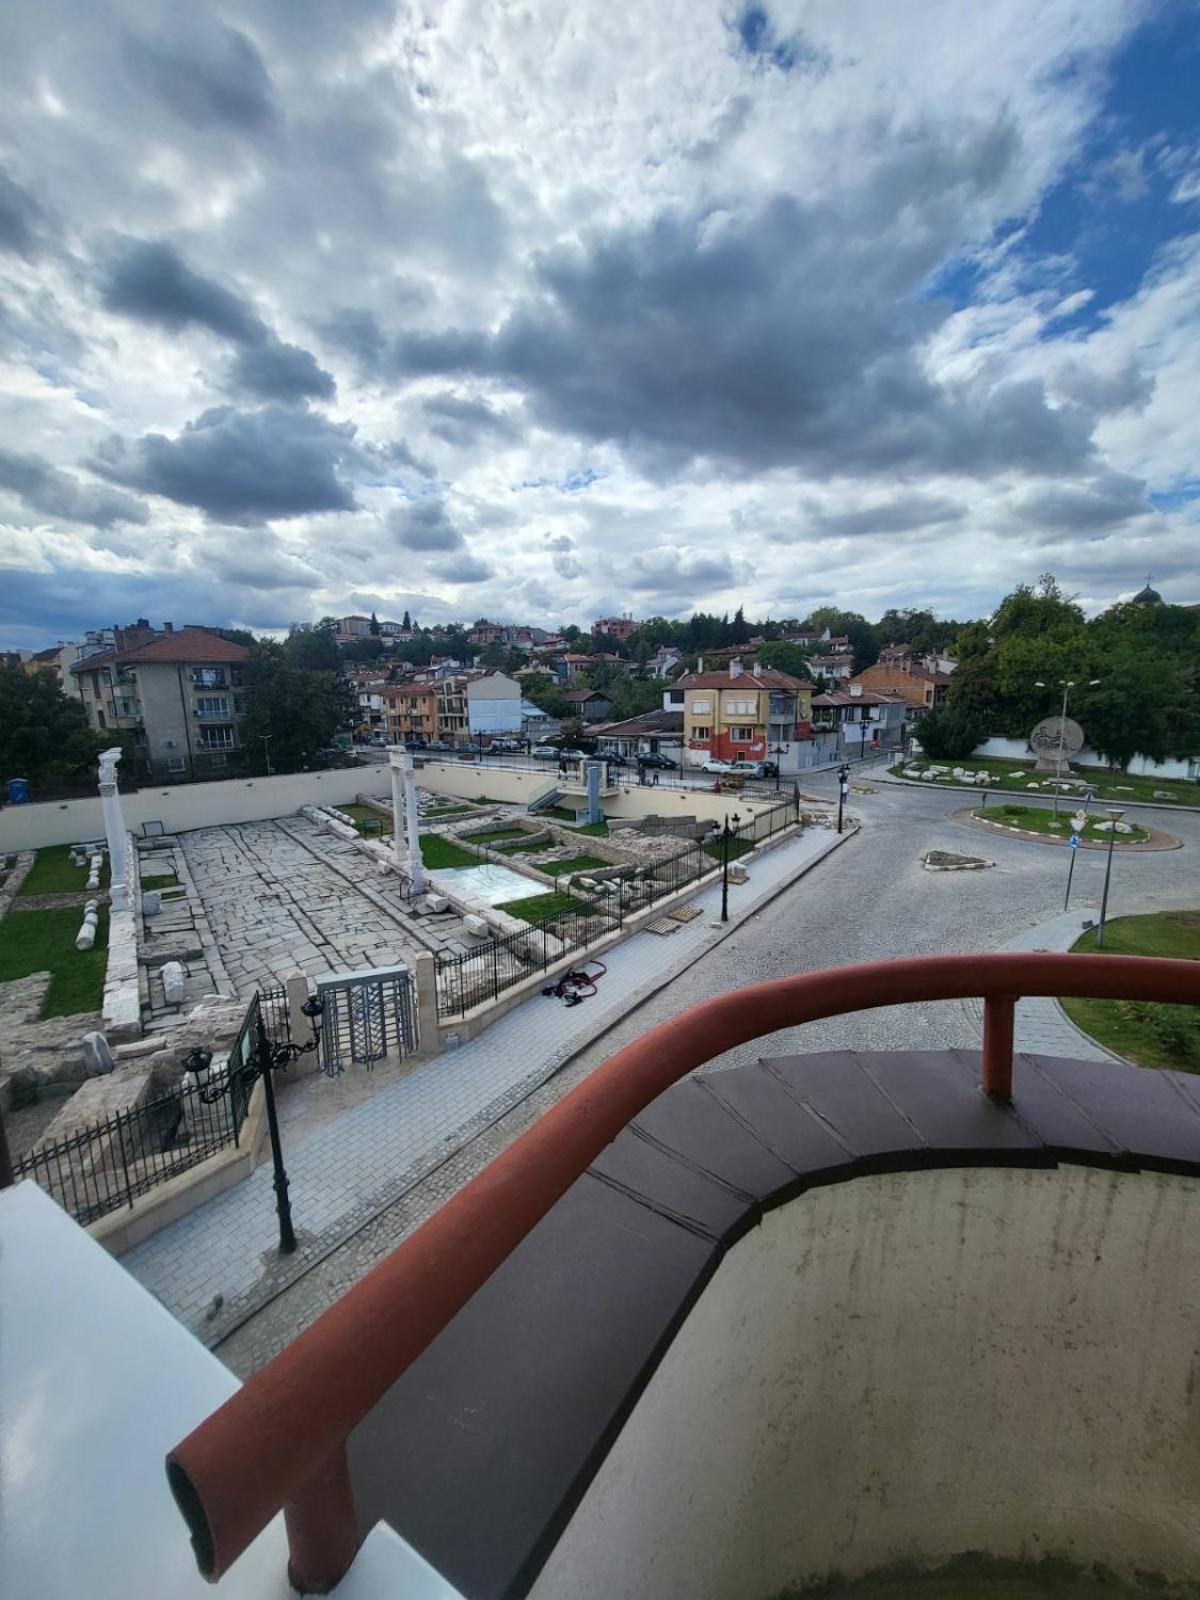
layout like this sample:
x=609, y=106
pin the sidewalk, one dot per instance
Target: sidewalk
x=1042, y=1027
x=349, y=1168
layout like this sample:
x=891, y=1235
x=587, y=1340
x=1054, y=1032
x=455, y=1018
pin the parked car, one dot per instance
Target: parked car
x=653, y=759
x=572, y=754
x=613, y=757
x=469, y=750
x=545, y=752
x=713, y=764
x=747, y=769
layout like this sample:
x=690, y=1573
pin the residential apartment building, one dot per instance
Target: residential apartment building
x=58, y=661
x=410, y=712
x=615, y=627
x=177, y=691
x=453, y=714
x=839, y=668
x=350, y=628
x=741, y=714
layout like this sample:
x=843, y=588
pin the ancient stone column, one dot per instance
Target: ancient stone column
x=114, y=829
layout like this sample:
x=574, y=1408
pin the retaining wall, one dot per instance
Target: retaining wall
x=187, y=805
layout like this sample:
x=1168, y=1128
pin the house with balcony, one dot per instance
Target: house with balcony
x=854, y=723
x=615, y=627
x=178, y=691
x=921, y=687
x=746, y=714
x=572, y=664
x=410, y=712
x=453, y=711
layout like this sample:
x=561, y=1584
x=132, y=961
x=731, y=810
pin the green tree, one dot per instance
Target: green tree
x=44, y=734
x=374, y=625
x=406, y=621
x=785, y=657
x=950, y=735
x=298, y=709
x=313, y=647
x=361, y=650
x=494, y=658
x=739, y=628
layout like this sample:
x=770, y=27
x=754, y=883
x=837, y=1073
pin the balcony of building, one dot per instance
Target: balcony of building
x=720, y=1336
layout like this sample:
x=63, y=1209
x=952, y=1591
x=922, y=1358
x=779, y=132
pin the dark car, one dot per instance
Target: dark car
x=469, y=750
x=614, y=758
x=652, y=759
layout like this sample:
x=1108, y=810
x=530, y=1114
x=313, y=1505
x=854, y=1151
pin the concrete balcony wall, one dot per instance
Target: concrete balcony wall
x=906, y=1367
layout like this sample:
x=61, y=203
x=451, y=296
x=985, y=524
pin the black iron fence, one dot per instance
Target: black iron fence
x=113, y=1161
x=604, y=897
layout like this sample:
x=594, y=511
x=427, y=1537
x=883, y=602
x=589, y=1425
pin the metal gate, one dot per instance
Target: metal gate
x=368, y=1016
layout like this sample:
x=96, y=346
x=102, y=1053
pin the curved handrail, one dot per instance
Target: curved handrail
x=279, y=1442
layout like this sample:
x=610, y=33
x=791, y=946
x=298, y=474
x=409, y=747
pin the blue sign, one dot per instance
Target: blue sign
x=1074, y=841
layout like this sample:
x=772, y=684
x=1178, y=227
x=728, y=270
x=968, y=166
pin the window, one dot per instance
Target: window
x=209, y=677
x=212, y=705
x=701, y=733
x=216, y=761
x=176, y=764
x=741, y=708
x=700, y=707
x=216, y=739
x=741, y=733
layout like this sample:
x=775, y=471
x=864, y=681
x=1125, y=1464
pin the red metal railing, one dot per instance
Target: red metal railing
x=280, y=1442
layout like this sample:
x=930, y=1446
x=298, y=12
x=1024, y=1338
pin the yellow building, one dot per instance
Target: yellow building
x=742, y=714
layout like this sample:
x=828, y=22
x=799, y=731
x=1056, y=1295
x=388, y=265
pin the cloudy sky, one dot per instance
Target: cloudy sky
x=544, y=310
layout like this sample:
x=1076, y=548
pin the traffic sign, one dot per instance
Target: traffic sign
x=1074, y=841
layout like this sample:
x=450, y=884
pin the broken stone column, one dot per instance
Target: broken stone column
x=404, y=784
x=96, y=1054
x=172, y=982
x=114, y=829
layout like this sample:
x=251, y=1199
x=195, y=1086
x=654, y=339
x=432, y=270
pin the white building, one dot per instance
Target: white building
x=493, y=705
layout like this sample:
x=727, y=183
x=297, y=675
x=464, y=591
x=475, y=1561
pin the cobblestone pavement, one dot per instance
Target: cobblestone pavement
x=347, y=1169
x=274, y=906
x=869, y=900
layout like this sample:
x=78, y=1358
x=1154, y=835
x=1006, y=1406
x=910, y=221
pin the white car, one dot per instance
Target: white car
x=747, y=769
x=714, y=765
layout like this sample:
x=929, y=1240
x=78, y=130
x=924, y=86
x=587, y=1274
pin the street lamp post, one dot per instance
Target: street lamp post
x=1078, y=824
x=263, y=1063
x=266, y=742
x=727, y=833
x=1066, y=685
x=843, y=790
x=1114, y=817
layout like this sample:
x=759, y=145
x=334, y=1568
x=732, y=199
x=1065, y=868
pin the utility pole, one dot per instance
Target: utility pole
x=1114, y=817
x=843, y=791
x=266, y=743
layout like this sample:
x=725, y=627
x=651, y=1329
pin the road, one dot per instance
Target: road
x=870, y=900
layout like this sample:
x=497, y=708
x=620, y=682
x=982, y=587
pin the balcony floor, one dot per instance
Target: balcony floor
x=610, y=1275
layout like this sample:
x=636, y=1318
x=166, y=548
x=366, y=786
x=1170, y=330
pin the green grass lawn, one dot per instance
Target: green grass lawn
x=1041, y=819
x=438, y=852
x=1114, y=786
x=363, y=814
x=572, y=864
x=52, y=873
x=164, y=880
x=737, y=847
x=44, y=941
x=448, y=811
x=537, y=907
x=494, y=834
x=527, y=846
x=1151, y=1034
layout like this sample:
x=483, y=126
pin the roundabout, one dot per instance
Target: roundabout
x=1038, y=825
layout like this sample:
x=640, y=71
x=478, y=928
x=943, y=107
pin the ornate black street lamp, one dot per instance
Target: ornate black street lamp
x=727, y=833
x=843, y=789
x=265, y=1059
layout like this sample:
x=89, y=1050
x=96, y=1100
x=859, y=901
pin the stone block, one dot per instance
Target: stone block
x=172, y=982
x=475, y=925
x=151, y=902
x=86, y=937
x=97, y=1054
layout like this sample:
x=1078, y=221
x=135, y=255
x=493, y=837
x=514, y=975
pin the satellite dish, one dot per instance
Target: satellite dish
x=1055, y=734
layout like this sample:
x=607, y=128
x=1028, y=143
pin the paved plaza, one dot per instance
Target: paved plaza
x=282, y=896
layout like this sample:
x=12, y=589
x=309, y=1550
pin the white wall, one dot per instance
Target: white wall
x=908, y=1367
x=1018, y=750
x=189, y=805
